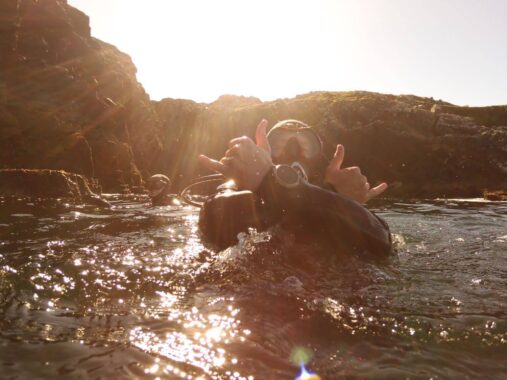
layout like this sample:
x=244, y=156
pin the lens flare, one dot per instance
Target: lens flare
x=305, y=375
x=301, y=356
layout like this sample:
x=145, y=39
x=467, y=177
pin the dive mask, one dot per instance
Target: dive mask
x=294, y=140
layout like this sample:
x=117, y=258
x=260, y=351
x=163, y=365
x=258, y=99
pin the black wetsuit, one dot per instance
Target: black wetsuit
x=322, y=214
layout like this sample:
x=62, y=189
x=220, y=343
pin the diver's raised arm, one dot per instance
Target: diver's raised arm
x=340, y=220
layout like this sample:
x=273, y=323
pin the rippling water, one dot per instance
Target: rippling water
x=131, y=292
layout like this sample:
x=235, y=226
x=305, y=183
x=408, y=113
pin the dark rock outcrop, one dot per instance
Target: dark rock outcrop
x=423, y=148
x=499, y=195
x=69, y=101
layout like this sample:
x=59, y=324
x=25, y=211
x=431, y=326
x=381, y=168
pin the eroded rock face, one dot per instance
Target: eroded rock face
x=421, y=147
x=69, y=101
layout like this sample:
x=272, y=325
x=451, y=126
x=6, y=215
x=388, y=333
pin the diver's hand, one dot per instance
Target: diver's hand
x=349, y=181
x=246, y=162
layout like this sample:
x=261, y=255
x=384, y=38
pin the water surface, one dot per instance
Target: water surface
x=132, y=292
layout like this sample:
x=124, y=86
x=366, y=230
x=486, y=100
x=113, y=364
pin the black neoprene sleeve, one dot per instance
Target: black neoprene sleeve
x=341, y=220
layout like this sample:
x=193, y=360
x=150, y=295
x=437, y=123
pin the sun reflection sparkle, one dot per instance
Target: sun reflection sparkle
x=200, y=341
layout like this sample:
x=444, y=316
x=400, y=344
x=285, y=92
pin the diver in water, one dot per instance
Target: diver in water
x=294, y=143
x=279, y=181
x=159, y=187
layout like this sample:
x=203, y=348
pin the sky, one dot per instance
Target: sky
x=454, y=50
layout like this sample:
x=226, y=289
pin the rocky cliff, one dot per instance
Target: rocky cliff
x=71, y=102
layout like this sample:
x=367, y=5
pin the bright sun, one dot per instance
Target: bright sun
x=268, y=49
x=201, y=49
x=261, y=48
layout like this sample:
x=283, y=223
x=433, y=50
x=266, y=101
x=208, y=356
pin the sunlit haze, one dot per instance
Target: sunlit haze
x=455, y=50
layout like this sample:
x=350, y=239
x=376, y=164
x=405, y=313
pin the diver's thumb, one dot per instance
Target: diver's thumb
x=337, y=160
x=261, y=137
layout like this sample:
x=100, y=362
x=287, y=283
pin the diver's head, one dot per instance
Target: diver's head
x=293, y=141
x=158, y=185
